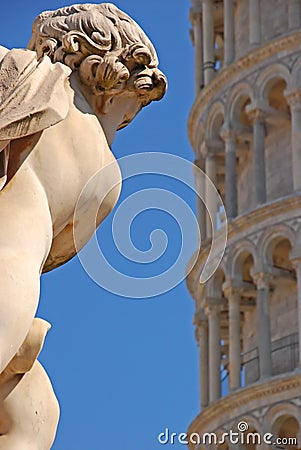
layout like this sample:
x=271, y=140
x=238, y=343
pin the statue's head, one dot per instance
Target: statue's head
x=115, y=61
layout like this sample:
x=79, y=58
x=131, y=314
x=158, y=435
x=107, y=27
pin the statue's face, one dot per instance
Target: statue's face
x=115, y=108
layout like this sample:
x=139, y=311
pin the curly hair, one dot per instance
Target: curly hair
x=103, y=44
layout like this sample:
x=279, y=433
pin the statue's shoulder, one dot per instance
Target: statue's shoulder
x=33, y=93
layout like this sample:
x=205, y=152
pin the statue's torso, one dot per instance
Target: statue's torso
x=64, y=158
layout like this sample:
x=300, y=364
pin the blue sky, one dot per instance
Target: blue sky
x=125, y=369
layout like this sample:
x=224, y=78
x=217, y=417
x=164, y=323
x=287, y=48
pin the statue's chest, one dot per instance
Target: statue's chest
x=65, y=158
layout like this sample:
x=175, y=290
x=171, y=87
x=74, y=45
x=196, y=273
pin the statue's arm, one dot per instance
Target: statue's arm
x=25, y=240
x=63, y=246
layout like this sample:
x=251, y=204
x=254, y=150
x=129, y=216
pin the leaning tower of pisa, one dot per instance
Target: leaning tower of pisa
x=245, y=129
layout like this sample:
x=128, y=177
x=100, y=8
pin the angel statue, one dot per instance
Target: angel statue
x=88, y=70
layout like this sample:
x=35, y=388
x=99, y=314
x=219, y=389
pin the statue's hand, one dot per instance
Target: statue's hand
x=25, y=357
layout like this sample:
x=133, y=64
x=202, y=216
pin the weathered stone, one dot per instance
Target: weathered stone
x=61, y=103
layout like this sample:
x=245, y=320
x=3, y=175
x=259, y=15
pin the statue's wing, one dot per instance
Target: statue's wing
x=33, y=97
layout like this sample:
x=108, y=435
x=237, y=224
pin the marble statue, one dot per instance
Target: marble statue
x=88, y=70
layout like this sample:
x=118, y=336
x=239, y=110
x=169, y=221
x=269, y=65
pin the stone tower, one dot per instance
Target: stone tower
x=245, y=129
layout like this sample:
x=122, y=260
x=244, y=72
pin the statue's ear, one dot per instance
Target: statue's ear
x=102, y=74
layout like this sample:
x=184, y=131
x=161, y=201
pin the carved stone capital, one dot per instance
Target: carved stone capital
x=207, y=150
x=295, y=259
x=212, y=310
x=228, y=134
x=204, y=150
x=232, y=291
x=296, y=263
x=211, y=147
x=201, y=325
x=213, y=306
x=257, y=111
x=262, y=280
x=196, y=15
x=200, y=318
x=293, y=98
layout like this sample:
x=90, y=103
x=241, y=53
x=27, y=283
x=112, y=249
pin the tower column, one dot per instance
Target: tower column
x=259, y=172
x=208, y=41
x=297, y=264
x=202, y=340
x=294, y=100
x=229, y=137
x=229, y=37
x=262, y=281
x=294, y=14
x=254, y=22
x=210, y=194
x=233, y=296
x=196, y=20
x=213, y=314
x=200, y=186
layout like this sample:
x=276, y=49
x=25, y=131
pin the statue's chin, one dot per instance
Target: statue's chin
x=121, y=111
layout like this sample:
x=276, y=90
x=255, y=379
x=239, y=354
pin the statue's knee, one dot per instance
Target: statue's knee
x=34, y=423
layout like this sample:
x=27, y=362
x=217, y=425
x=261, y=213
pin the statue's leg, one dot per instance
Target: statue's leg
x=32, y=411
x=25, y=240
x=28, y=407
